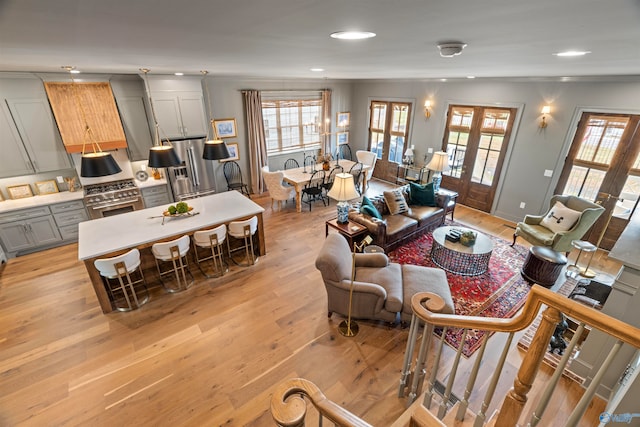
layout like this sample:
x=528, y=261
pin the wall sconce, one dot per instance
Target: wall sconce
x=545, y=110
x=427, y=106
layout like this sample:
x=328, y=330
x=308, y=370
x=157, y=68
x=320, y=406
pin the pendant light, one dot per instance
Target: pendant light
x=160, y=155
x=214, y=148
x=97, y=163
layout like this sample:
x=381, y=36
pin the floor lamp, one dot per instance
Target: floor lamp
x=349, y=327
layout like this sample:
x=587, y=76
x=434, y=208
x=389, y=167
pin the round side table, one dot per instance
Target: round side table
x=373, y=249
x=582, y=246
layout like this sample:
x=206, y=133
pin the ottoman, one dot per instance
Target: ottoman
x=424, y=279
x=543, y=265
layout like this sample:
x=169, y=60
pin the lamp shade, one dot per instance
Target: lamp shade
x=98, y=164
x=215, y=149
x=163, y=156
x=343, y=188
x=439, y=162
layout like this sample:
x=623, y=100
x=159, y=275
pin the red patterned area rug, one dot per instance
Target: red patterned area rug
x=500, y=292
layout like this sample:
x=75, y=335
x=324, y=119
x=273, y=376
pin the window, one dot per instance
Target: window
x=392, y=128
x=291, y=124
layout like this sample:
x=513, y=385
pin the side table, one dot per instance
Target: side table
x=453, y=199
x=351, y=231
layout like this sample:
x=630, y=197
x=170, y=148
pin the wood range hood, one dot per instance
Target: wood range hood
x=76, y=105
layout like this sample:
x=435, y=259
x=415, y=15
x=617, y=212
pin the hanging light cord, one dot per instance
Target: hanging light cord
x=88, y=132
x=206, y=89
x=157, y=141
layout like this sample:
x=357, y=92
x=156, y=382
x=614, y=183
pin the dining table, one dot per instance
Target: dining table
x=299, y=177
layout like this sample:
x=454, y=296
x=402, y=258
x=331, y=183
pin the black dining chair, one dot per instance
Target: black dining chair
x=314, y=189
x=291, y=164
x=233, y=175
x=328, y=182
x=309, y=161
x=345, y=152
x=356, y=171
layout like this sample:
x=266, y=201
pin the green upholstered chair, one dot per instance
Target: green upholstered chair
x=532, y=230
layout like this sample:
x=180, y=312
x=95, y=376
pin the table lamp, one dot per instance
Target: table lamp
x=439, y=163
x=342, y=190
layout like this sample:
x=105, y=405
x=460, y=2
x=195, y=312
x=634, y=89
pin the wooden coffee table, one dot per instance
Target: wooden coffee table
x=457, y=258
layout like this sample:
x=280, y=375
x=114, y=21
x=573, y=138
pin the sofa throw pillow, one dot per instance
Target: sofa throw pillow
x=422, y=195
x=366, y=207
x=560, y=218
x=395, y=201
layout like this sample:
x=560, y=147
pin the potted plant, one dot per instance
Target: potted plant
x=468, y=238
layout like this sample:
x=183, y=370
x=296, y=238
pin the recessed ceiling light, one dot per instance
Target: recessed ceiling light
x=352, y=35
x=74, y=71
x=443, y=80
x=471, y=77
x=572, y=53
x=179, y=74
x=317, y=70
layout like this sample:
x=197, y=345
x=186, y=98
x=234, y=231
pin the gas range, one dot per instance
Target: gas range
x=112, y=197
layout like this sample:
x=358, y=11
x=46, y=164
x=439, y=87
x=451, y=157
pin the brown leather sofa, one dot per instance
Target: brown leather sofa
x=394, y=230
x=382, y=290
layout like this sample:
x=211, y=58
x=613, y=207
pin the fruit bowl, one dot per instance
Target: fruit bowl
x=188, y=212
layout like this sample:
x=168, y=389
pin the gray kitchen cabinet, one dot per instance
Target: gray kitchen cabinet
x=14, y=160
x=134, y=119
x=67, y=216
x=34, y=122
x=180, y=114
x=156, y=196
x=28, y=229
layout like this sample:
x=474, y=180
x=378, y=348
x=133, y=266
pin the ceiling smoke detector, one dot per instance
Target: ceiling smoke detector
x=451, y=49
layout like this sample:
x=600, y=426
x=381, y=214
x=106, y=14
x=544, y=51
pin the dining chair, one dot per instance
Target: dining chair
x=345, y=152
x=124, y=280
x=277, y=191
x=368, y=158
x=356, y=171
x=314, y=189
x=328, y=182
x=309, y=161
x=291, y=164
x=233, y=175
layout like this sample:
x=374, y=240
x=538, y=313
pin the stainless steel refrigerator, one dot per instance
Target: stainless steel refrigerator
x=195, y=176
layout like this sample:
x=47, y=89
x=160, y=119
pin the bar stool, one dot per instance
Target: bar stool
x=582, y=246
x=116, y=272
x=212, y=239
x=174, y=251
x=243, y=230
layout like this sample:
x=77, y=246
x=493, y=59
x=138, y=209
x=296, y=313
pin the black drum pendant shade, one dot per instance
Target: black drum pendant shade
x=98, y=164
x=163, y=156
x=215, y=150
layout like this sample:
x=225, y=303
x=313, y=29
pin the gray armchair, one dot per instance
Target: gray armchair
x=537, y=234
x=381, y=289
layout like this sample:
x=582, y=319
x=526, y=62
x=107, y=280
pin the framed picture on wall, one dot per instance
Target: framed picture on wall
x=21, y=191
x=342, y=119
x=342, y=137
x=225, y=128
x=234, y=153
x=47, y=187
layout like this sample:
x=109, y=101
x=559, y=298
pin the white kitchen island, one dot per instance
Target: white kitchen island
x=111, y=236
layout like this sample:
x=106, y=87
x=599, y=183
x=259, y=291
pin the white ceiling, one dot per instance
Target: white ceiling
x=285, y=38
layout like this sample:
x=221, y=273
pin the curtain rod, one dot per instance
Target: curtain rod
x=283, y=90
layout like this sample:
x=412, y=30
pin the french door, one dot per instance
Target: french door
x=476, y=140
x=603, y=165
x=388, y=131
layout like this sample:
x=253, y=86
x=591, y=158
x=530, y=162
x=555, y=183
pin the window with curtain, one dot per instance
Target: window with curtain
x=291, y=124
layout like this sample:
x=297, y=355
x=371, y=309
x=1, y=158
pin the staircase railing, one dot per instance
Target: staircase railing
x=288, y=406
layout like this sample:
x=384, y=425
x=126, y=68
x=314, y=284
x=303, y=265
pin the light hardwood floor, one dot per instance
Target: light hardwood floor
x=210, y=355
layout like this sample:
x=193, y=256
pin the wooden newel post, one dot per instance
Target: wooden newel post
x=515, y=400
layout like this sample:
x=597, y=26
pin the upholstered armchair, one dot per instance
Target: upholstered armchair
x=382, y=290
x=367, y=158
x=536, y=228
x=277, y=191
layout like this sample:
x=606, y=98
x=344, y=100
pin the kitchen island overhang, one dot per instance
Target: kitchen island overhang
x=111, y=236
